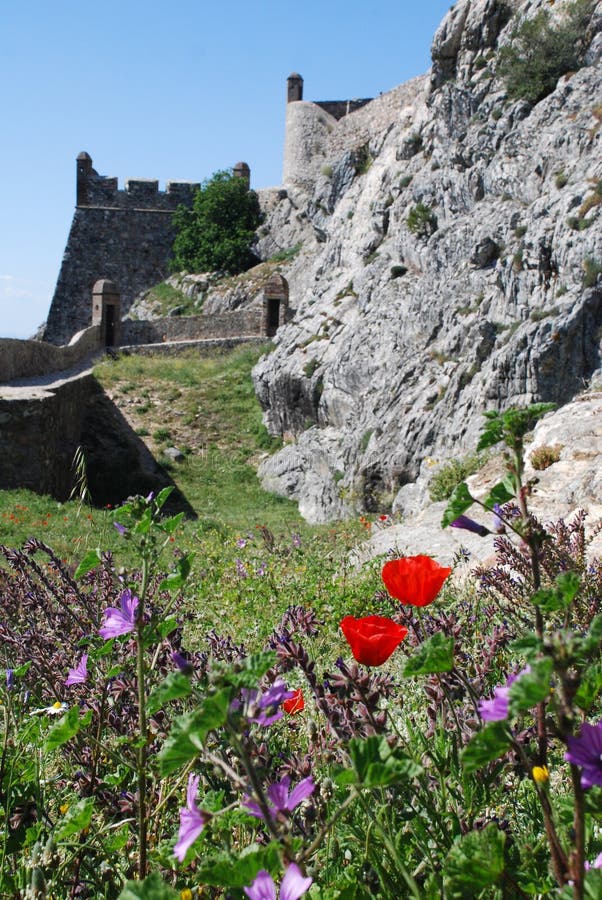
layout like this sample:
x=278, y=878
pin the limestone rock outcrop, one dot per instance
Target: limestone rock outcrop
x=450, y=262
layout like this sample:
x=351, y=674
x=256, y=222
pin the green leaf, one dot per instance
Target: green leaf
x=152, y=888
x=163, y=496
x=532, y=687
x=475, y=861
x=225, y=870
x=66, y=728
x=489, y=743
x=498, y=494
x=170, y=525
x=459, y=502
x=254, y=668
x=434, y=655
x=529, y=645
x=167, y=626
x=171, y=688
x=492, y=432
x=89, y=562
x=22, y=670
x=144, y=523
x=590, y=687
x=76, y=818
x=175, y=580
x=376, y=764
x=592, y=641
x=560, y=596
x=188, y=731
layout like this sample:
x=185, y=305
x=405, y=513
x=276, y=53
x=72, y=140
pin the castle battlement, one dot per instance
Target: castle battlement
x=94, y=190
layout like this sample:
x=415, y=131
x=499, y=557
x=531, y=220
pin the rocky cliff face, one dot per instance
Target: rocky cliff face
x=451, y=250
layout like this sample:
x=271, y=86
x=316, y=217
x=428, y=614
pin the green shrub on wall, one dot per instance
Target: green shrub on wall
x=217, y=232
x=541, y=51
x=421, y=220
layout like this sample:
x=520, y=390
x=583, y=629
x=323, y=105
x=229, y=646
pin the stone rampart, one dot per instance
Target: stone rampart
x=122, y=235
x=39, y=433
x=239, y=323
x=318, y=132
x=28, y=359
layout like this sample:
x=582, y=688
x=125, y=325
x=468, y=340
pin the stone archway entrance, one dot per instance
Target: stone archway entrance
x=275, y=304
x=106, y=311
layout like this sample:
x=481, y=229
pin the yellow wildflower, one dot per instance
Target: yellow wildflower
x=540, y=774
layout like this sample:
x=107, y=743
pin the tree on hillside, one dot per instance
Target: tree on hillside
x=218, y=230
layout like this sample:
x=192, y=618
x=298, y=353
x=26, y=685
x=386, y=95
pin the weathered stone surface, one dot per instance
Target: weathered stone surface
x=561, y=490
x=375, y=373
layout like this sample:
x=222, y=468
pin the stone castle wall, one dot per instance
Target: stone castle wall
x=239, y=323
x=122, y=235
x=29, y=359
x=318, y=132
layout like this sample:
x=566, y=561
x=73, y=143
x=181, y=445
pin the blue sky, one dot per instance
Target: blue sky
x=170, y=91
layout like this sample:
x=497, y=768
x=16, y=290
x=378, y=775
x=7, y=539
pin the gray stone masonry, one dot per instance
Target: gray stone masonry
x=122, y=235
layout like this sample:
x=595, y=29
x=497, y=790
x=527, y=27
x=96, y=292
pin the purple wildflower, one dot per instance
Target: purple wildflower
x=240, y=569
x=263, y=709
x=241, y=543
x=183, y=664
x=586, y=751
x=120, y=621
x=293, y=886
x=120, y=528
x=470, y=525
x=597, y=863
x=498, y=526
x=280, y=800
x=269, y=703
x=10, y=679
x=498, y=708
x=262, y=570
x=296, y=540
x=192, y=820
x=79, y=674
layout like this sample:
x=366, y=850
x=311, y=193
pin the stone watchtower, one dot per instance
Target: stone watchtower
x=294, y=88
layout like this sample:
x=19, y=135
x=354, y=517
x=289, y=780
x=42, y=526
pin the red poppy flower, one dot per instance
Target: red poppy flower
x=294, y=704
x=414, y=579
x=373, y=638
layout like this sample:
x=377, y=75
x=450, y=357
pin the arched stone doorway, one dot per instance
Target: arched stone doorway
x=106, y=311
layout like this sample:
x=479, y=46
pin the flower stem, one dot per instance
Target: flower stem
x=142, y=727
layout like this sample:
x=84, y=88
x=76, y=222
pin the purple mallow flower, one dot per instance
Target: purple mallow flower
x=586, y=751
x=10, y=679
x=280, y=800
x=293, y=886
x=183, y=664
x=192, y=820
x=470, y=525
x=498, y=708
x=120, y=621
x=263, y=709
x=120, y=528
x=80, y=673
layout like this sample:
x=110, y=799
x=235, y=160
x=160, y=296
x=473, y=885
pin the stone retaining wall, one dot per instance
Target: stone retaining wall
x=39, y=434
x=240, y=323
x=28, y=359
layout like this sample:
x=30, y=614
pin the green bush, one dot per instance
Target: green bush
x=539, y=52
x=217, y=232
x=452, y=473
x=593, y=270
x=421, y=220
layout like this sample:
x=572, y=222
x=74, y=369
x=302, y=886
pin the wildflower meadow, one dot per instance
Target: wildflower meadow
x=243, y=714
